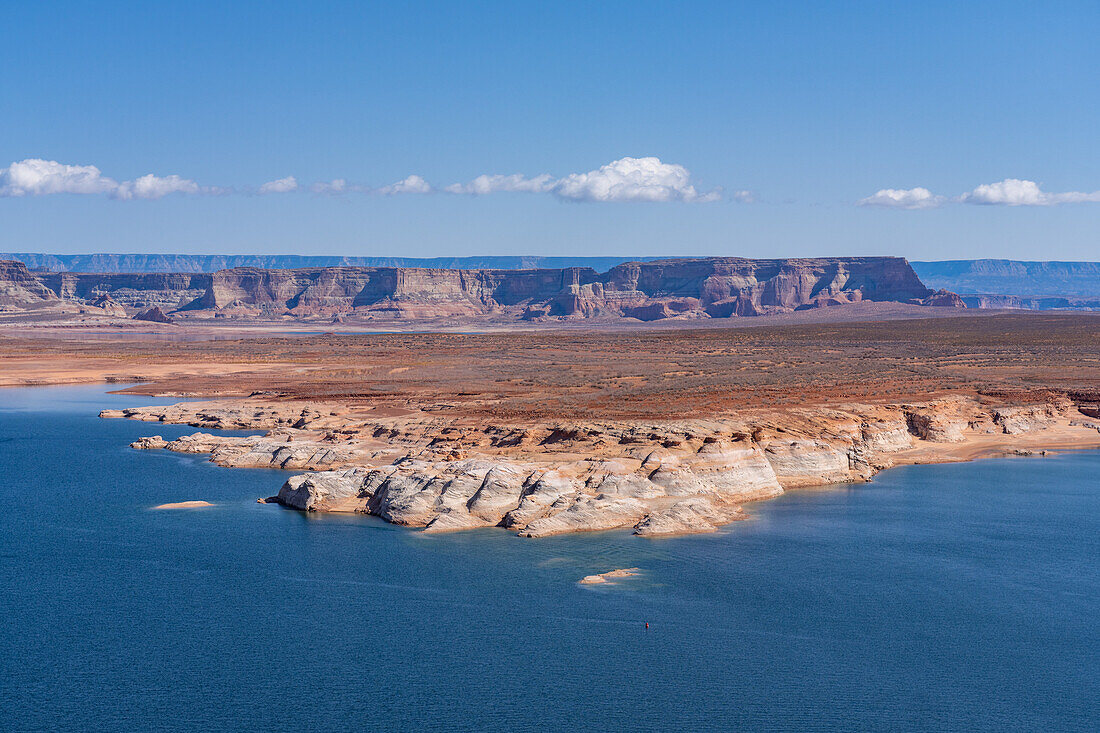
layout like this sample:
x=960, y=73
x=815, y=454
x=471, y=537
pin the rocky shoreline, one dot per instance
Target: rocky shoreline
x=419, y=469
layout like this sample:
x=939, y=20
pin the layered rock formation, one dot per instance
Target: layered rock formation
x=713, y=287
x=445, y=474
x=701, y=288
x=18, y=287
x=133, y=291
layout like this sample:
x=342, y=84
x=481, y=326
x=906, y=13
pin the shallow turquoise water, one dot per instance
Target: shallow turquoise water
x=954, y=597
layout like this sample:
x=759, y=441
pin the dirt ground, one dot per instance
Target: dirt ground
x=638, y=374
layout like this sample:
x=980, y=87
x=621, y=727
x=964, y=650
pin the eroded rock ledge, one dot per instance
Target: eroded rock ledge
x=442, y=474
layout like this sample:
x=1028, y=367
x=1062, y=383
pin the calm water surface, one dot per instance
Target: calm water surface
x=936, y=598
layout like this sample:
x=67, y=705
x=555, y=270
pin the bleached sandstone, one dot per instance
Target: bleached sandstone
x=609, y=577
x=939, y=422
x=809, y=463
x=586, y=513
x=311, y=491
x=691, y=515
x=443, y=474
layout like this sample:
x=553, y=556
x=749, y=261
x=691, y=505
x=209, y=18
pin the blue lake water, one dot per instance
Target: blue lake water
x=955, y=597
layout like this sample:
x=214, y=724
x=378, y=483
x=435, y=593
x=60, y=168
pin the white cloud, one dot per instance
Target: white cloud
x=36, y=177
x=412, y=184
x=626, y=179
x=280, y=185
x=333, y=187
x=514, y=183
x=632, y=179
x=904, y=198
x=155, y=187
x=1009, y=192
x=1017, y=192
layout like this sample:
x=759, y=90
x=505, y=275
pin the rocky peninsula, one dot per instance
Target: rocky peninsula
x=540, y=432
x=539, y=479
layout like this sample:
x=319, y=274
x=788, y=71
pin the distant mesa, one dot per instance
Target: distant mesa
x=683, y=289
x=524, y=289
x=1017, y=285
x=196, y=263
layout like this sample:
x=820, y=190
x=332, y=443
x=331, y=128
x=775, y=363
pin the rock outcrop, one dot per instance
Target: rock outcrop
x=154, y=315
x=943, y=299
x=109, y=306
x=609, y=577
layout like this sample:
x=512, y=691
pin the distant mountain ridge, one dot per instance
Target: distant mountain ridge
x=1072, y=280
x=184, y=263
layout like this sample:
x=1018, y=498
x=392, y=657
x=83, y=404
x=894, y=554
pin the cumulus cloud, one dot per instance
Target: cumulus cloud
x=516, y=182
x=37, y=177
x=632, y=179
x=333, y=187
x=412, y=184
x=280, y=185
x=626, y=179
x=154, y=187
x=904, y=198
x=1017, y=192
x=1009, y=192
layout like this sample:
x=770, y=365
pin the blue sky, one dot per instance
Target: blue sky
x=978, y=123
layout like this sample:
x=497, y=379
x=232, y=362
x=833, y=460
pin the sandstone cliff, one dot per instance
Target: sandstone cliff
x=18, y=287
x=134, y=291
x=697, y=288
